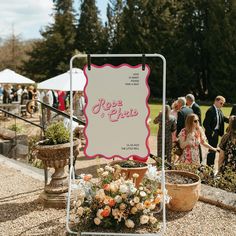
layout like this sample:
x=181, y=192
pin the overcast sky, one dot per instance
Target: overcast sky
x=27, y=17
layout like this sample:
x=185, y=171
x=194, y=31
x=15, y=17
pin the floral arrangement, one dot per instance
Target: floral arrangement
x=112, y=201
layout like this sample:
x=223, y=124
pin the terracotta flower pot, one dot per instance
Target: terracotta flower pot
x=183, y=196
x=129, y=171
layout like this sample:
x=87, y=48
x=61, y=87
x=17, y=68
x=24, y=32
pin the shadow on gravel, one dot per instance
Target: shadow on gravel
x=56, y=228
x=173, y=215
x=18, y=195
x=11, y=211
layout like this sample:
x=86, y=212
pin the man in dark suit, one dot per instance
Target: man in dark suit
x=190, y=102
x=183, y=111
x=214, y=126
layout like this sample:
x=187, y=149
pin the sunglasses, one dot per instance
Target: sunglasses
x=195, y=121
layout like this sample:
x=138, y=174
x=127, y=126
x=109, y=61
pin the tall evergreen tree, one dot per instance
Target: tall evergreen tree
x=202, y=45
x=115, y=29
x=91, y=35
x=52, y=54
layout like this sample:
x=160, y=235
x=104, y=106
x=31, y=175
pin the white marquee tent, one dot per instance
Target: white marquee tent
x=8, y=76
x=62, y=82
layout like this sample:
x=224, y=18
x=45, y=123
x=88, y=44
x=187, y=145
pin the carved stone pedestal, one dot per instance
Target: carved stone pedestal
x=57, y=157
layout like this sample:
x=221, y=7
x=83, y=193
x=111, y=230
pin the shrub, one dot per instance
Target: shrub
x=57, y=133
x=225, y=180
x=16, y=128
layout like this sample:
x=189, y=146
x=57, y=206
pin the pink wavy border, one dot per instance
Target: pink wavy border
x=135, y=157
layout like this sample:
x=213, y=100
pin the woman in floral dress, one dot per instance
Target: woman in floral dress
x=190, y=139
x=227, y=157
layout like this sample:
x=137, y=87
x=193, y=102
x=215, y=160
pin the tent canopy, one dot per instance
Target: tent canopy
x=62, y=82
x=11, y=77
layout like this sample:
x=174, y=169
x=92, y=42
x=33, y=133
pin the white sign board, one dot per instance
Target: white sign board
x=117, y=111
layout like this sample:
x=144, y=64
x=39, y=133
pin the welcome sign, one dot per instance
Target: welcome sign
x=117, y=111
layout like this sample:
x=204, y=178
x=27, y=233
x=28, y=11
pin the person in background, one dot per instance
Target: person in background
x=183, y=111
x=31, y=92
x=227, y=156
x=78, y=104
x=1, y=93
x=233, y=111
x=190, y=138
x=174, y=109
x=190, y=102
x=61, y=100
x=19, y=92
x=174, y=112
x=6, y=94
x=170, y=127
x=214, y=126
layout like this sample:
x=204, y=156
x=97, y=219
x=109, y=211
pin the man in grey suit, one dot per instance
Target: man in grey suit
x=190, y=101
x=183, y=111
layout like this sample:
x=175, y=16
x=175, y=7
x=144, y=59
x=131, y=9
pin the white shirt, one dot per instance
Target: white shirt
x=50, y=98
x=217, y=118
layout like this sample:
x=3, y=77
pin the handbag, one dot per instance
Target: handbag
x=177, y=150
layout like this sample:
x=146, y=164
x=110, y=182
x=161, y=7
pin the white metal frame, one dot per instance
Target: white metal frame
x=72, y=174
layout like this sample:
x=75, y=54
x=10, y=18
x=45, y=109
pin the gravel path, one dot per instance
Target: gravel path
x=21, y=214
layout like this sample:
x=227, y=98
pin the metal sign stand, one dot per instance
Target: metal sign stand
x=72, y=173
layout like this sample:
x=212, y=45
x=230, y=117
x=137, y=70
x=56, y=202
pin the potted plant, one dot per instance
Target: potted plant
x=113, y=203
x=54, y=151
x=131, y=167
x=183, y=188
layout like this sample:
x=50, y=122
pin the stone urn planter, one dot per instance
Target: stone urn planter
x=57, y=157
x=183, y=188
x=128, y=168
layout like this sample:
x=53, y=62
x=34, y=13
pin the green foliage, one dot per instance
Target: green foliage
x=32, y=152
x=51, y=55
x=57, y=133
x=16, y=128
x=197, y=37
x=225, y=180
x=90, y=32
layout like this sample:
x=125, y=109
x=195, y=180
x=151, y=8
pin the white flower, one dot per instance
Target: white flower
x=139, y=206
x=140, y=188
x=113, y=187
x=132, y=189
x=97, y=221
x=110, y=169
x=152, y=206
x=80, y=211
x=99, y=213
x=105, y=173
x=100, y=194
x=152, y=173
x=133, y=210
x=122, y=206
x=135, y=175
x=100, y=170
x=136, y=199
x=144, y=219
x=129, y=223
x=131, y=202
x=118, y=199
x=123, y=188
x=152, y=219
x=143, y=194
x=115, y=212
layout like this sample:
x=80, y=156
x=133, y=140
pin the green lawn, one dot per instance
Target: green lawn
x=156, y=108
